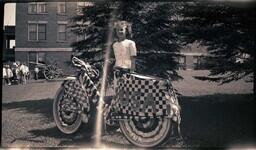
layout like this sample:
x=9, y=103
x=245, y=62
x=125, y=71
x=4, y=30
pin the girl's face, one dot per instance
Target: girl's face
x=121, y=32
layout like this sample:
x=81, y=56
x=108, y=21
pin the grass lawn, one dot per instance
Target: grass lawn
x=212, y=115
x=190, y=86
x=216, y=115
x=220, y=120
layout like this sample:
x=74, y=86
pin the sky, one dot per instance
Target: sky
x=9, y=14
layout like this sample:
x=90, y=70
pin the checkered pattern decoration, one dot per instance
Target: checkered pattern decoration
x=89, y=87
x=82, y=91
x=139, y=97
x=73, y=91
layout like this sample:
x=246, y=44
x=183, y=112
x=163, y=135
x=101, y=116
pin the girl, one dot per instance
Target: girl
x=124, y=48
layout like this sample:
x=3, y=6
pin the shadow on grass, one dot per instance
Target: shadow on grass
x=42, y=107
x=82, y=136
x=207, y=121
x=218, y=120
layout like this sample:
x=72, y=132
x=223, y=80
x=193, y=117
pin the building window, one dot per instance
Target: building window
x=196, y=62
x=32, y=58
x=32, y=8
x=11, y=44
x=32, y=29
x=199, y=62
x=195, y=59
x=36, y=32
x=62, y=32
x=182, y=62
x=41, y=57
x=36, y=58
x=41, y=32
x=37, y=8
x=61, y=8
x=41, y=7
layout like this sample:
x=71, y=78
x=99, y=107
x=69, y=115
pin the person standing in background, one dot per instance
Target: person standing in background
x=9, y=75
x=4, y=75
x=36, y=72
x=22, y=74
x=27, y=75
x=18, y=72
x=14, y=68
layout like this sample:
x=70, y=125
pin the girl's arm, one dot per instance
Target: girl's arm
x=133, y=60
x=133, y=52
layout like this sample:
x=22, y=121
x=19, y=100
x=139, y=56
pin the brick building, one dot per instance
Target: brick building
x=42, y=32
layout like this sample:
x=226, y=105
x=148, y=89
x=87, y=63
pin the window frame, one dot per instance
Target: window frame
x=37, y=31
x=59, y=8
x=41, y=55
x=34, y=56
x=34, y=5
x=37, y=4
x=45, y=7
x=182, y=62
x=58, y=33
x=41, y=32
x=29, y=31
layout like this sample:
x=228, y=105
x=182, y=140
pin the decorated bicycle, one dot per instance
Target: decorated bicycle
x=145, y=107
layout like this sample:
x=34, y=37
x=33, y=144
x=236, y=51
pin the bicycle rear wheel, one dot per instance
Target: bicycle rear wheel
x=149, y=132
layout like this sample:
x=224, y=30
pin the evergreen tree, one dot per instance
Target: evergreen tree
x=157, y=39
x=92, y=28
x=228, y=29
x=154, y=32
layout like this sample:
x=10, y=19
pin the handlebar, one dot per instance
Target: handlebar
x=80, y=63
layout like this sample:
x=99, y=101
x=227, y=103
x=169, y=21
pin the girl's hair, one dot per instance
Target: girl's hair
x=127, y=25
